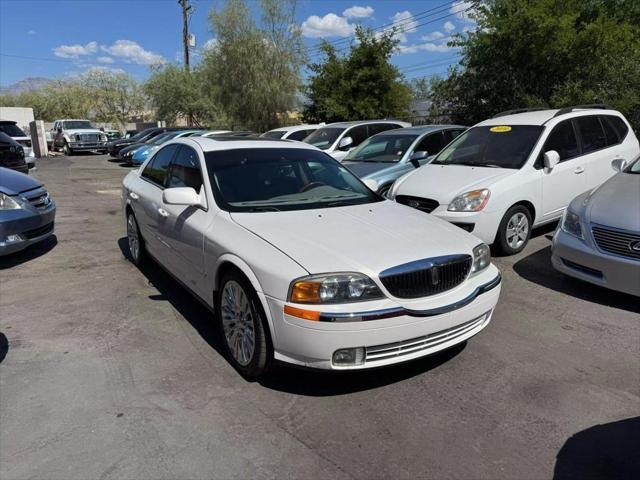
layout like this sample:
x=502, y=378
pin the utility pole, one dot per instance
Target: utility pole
x=185, y=40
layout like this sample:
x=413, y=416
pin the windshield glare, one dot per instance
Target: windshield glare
x=77, y=124
x=323, y=138
x=492, y=146
x=273, y=179
x=382, y=148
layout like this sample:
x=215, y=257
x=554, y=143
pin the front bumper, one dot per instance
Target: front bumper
x=395, y=334
x=483, y=225
x=581, y=259
x=86, y=146
x=31, y=225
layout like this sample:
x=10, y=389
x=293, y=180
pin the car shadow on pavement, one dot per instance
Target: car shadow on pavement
x=30, y=253
x=537, y=268
x=610, y=451
x=4, y=346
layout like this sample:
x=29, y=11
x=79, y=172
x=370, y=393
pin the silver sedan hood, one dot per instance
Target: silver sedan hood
x=616, y=203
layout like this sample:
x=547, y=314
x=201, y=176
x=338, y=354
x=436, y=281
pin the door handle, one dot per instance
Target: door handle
x=163, y=213
x=579, y=170
x=134, y=196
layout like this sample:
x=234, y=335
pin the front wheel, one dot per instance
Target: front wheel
x=65, y=149
x=244, y=326
x=514, y=230
x=137, y=250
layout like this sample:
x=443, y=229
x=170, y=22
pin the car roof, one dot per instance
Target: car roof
x=233, y=143
x=364, y=122
x=295, y=128
x=540, y=117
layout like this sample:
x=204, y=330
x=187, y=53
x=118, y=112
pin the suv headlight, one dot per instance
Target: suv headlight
x=571, y=224
x=472, y=201
x=481, y=258
x=8, y=203
x=334, y=288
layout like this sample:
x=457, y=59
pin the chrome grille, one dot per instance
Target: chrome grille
x=427, y=277
x=39, y=198
x=407, y=347
x=617, y=242
x=89, y=137
x=426, y=205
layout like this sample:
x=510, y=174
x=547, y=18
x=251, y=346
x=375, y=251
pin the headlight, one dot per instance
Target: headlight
x=571, y=224
x=8, y=203
x=473, y=201
x=333, y=288
x=481, y=258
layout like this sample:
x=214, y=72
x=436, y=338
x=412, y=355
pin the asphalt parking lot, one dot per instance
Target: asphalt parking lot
x=111, y=372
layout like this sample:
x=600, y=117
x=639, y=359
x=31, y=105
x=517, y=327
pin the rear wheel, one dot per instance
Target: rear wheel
x=243, y=325
x=137, y=250
x=514, y=230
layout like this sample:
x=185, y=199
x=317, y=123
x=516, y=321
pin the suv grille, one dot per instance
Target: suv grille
x=423, y=204
x=617, y=242
x=427, y=277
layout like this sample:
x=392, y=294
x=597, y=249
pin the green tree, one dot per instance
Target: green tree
x=360, y=85
x=253, y=71
x=527, y=53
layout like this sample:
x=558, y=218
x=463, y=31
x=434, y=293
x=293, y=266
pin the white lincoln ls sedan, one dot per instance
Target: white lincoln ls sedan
x=301, y=262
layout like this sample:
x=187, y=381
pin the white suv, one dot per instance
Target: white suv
x=518, y=170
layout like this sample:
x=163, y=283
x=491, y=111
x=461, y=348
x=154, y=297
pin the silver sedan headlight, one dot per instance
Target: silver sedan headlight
x=8, y=203
x=571, y=224
x=481, y=258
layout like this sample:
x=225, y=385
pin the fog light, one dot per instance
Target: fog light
x=348, y=357
x=12, y=239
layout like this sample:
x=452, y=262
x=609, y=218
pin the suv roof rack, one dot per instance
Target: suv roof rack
x=518, y=110
x=594, y=106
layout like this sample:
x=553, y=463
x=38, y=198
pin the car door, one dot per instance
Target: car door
x=183, y=227
x=146, y=200
x=568, y=178
x=596, y=150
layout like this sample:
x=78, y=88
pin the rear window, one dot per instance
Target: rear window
x=12, y=130
x=497, y=146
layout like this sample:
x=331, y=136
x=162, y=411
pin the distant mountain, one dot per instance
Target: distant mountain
x=26, y=85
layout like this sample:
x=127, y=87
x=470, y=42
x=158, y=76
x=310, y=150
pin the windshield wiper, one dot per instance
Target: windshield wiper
x=263, y=209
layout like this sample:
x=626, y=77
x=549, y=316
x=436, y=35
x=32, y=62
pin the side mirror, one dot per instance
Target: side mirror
x=181, y=196
x=618, y=164
x=551, y=159
x=371, y=183
x=419, y=155
x=345, y=143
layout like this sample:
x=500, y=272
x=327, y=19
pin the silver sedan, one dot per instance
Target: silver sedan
x=598, y=239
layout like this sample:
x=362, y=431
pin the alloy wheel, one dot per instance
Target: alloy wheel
x=517, y=230
x=238, y=322
x=132, y=237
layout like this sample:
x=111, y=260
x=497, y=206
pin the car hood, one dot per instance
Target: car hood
x=82, y=131
x=365, y=238
x=615, y=202
x=13, y=183
x=362, y=169
x=444, y=182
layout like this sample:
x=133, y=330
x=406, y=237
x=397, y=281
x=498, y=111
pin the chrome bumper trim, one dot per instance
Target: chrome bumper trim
x=401, y=311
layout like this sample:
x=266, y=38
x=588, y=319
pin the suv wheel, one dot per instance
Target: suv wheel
x=137, y=250
x=243, y=325
x=514, y=230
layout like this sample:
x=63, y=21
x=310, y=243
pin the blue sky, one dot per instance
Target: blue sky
x=64, y=38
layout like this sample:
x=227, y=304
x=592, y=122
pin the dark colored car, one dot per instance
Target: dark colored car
x=12, y=154
x=141, y=137
x=130, y=133
x=27, y=212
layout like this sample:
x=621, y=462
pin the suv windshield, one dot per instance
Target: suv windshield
x=273, y=179
x=498, y=146
x=77, y=124
x=382, y=148
x=11, y=129
x=323, y=138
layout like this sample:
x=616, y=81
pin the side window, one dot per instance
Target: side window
x=359, y=135
x=185, y=170
x=156, y=170
x=563, y=140
x=299, y=135
x=432, y=143
x=609, y=132
x=450, y=135
x=615, y=123
x=591, y=134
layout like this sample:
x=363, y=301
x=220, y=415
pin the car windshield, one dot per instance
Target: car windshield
x=382, y=148
x=498, y=146
x=323, y=138
x=275, y=134
x=77, y=124
x=634, y=167
x=163, y=137
x=11, y=129
x=274, y=179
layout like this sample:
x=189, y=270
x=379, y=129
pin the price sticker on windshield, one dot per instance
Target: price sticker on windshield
x=500, y=129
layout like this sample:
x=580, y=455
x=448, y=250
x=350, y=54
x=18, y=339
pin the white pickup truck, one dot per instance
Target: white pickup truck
x=73, y=135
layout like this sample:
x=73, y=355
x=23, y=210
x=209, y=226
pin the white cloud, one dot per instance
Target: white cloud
x=404, y=23
x=105, y=59
x=432, y=36
x=75, y=51
x=358, y=12
x=449, y=27
x=100, y=68
x=331, y=25
x=31, y=32
x=429, y=47
x=130, y=51
x=462, y=9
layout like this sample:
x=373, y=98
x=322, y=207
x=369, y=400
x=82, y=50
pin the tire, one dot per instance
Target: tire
x=137, y=250
x=514, y=230
x=65, y=149
x=243, y=321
